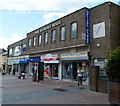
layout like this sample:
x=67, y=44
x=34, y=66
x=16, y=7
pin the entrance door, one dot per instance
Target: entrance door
x=55, y=71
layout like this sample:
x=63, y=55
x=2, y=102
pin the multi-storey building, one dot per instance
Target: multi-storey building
x=17, y=58
x=83, y=38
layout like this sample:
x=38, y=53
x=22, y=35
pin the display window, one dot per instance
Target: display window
x=51, y=70
x=69, y=70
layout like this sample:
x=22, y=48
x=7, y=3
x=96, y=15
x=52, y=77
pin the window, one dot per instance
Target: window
x=53, y=36
x=24, y=48
x=46, y=38
x=39, y=39
x=29, y=43
x=74, y=30
x=10, y=52
x=17, y=51
x=62, y=33
x=34, y=41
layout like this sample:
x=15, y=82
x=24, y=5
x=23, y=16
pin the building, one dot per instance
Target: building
x=3, y=60
x=17, y=58
x=83, y=38
x=80, y=39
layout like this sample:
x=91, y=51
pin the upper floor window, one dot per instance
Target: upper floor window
x=62, y=33
x=24, y=48
x=10, y=51
x=39, y=39
x=74, y=30
x=17, y=51
x=29, y=43
x=34, y=41
x=53, y=36
x=46, y=38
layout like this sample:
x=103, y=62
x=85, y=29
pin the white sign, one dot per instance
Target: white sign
x=99, y=30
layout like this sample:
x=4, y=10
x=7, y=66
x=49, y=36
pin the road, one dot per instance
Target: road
x=49, y=91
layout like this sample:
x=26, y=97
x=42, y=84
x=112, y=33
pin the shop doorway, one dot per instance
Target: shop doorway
x=69, y=70
x=51, y=71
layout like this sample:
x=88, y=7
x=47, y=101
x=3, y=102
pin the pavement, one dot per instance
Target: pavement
x=49, y=91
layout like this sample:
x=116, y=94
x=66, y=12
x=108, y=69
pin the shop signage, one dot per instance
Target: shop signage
x=48, y=27
x=79, y=54
x=100, y=60
x=50, y=58
x=24, y=60
x=87, y=26
x=35, y=59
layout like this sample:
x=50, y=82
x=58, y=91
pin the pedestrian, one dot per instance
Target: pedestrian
x=14, y=71
x=10, y=70
x=79, y=74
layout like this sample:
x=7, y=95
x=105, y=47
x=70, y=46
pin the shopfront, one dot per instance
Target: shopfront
x=24, y=64
x=70, y=63
x=51, y=65
x=34, y=64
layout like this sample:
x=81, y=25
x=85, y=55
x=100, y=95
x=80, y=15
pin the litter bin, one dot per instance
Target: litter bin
x=34, y=76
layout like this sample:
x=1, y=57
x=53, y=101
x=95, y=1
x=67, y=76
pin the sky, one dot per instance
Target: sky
x=19, y=17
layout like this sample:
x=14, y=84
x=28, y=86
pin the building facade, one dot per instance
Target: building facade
x=81, y=39
x=17, y=58
x=62, y=45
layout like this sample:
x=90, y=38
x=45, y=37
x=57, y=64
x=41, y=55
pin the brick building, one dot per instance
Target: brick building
x=83, y=38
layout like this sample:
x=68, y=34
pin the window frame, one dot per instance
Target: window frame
x=61, y=36
x=34, y=41
x=53, y=35
x=45, y=43
x=71, y=30
x=39, y=40
x=29, y=42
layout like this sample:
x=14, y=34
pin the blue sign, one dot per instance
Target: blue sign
x=24, y=61
x=35, y=59
x=24, y=49
x=87, y=26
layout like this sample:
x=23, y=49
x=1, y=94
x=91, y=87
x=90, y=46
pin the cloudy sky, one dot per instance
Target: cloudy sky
x=18, y=17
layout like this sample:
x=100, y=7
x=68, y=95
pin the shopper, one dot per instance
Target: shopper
x=79, y=73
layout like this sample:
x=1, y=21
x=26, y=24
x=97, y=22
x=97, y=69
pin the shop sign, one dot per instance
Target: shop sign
x=100, y=62
x=35, y=59
x=87, y=26
x=16, y=61
x=50, y=58
x=48, y=27
x=24, y=60
x=79, y=54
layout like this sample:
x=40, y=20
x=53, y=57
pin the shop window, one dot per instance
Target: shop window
x=53, y=36
x=46, y=38
x=62, y=33
x=74, y=30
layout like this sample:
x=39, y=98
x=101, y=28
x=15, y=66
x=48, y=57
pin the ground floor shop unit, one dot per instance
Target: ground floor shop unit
x=18, y=64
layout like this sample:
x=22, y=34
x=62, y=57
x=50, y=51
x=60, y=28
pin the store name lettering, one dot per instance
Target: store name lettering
x=48, y=27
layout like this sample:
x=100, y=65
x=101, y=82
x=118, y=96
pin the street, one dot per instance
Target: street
x=49, y=91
